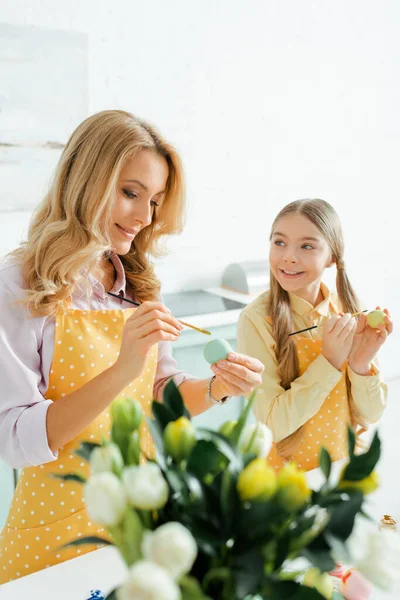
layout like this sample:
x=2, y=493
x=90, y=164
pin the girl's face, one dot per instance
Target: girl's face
x=140, y=190
x=299, y=255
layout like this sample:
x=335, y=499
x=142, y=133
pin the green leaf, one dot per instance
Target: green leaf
x=257, y=521
x=195, y=489
x=318, y=553
x=162, y=414
x=216, y=574
x=351, y=437
x=248, y=572
x=91, y=539
x=300, y=524
x=157, y=435
x=173, y=400
x=205, y=458
x=362, y=465
x=85, y=450
x=70, y=477
x=307, y=593
x=121, y=438
x=322, y=560
x=237, y=430
x=341, y=520
x=335, y=497
x=339, y=548
x=290, y=590
x=282, y=551
x=187, y=489
x=220, y=441
x=132, y=531
x=112, y=595
x=229, y=498
x=191, y=589
x=325, y=462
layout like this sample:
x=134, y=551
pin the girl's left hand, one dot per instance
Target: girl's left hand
x=367, y=341
x=238, y=374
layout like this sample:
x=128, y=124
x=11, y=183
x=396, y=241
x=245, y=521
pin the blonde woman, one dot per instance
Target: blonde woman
x=68, y=347
x=317, y=382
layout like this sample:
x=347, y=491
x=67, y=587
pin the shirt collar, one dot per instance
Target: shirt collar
x=98, y=290
x=301, y=307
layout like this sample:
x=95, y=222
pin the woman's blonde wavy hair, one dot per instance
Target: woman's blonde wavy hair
x=325, y=218
x=69, y=232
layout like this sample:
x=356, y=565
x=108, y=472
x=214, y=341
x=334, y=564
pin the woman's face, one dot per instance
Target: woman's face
x=140, y=190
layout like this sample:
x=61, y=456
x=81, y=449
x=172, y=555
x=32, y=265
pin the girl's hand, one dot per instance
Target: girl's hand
x=367, y=341
x=337, y=339
x=238, y=374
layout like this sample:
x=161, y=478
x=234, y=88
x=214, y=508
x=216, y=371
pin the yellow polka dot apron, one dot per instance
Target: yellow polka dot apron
x=328, y=427
x=47, y=513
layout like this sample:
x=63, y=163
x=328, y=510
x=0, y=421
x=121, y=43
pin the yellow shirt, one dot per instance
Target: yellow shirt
x=284, y=411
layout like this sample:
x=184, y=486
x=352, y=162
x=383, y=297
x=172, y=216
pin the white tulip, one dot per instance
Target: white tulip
x=106, y=458
x=172, y=546
x=148, y=581
x=105, y=499
x=145, y=486
x=262, y=442
x=376, y=554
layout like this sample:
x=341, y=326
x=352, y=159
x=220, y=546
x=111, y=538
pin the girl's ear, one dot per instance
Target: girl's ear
x=330, y=263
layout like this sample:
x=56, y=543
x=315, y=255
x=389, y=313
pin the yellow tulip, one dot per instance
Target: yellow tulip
x=366, y=486
x=257, y=481
x=293, y=490
x=179, y=438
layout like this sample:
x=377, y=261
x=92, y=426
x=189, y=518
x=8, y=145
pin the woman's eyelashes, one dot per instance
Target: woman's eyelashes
x=129, y=194
x=133, y=195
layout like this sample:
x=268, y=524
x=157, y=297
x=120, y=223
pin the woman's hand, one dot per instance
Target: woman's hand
x=238, y=374
x=367, y=341
x=149, y=324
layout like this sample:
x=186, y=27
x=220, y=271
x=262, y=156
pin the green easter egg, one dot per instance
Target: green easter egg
x=216, y=350
x=376, y=318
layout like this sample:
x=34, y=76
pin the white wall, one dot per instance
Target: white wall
x=268, y=101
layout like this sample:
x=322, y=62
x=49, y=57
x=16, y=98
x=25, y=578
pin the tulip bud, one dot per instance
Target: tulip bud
x=257, y=481
x=256, y=439
x=134, y=450
x=148, y=580
x=366, y=486
x=145, y=486
x=105, y=499
x=293, y=491
x=172, y=546
x=126, y=414
x=179, y=438
x=106, y=458
x=227, y=428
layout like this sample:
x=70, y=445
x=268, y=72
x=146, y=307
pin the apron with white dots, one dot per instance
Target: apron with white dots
x=47, y=513
x=328, y=427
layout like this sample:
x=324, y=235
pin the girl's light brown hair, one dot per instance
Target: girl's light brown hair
x=69, y=232
x=325, y=218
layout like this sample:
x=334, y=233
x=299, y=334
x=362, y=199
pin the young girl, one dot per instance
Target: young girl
x=68, y=348
x=318, y=382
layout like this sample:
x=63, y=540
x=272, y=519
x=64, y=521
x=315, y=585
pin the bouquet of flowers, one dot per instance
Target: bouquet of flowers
x=208, y=518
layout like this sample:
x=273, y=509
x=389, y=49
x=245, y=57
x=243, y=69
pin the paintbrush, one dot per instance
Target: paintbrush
x=316, y=326
x=183, y=322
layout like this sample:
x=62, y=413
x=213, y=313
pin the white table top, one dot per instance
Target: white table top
x=102, y=569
